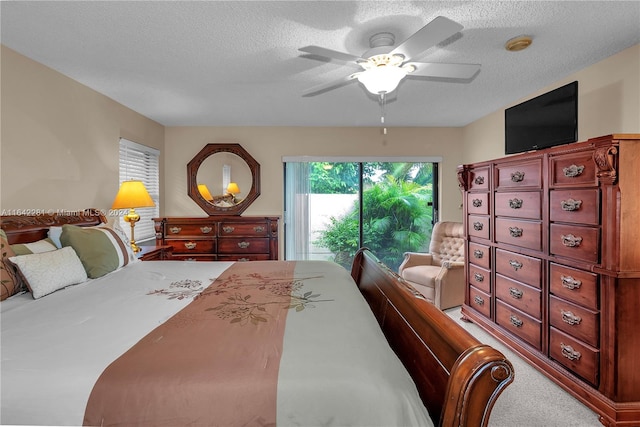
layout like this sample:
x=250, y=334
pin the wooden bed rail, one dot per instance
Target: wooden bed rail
x=458, y=378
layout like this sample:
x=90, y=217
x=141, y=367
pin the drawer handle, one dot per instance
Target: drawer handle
x=478, y=253
x=515, y=321
x=175, y=230
x=477, y=226
x=244, y=245
x=479, y=180
x=515, y=203
x=515, y=264
x=243, y=259
x=570, y=283
x=517, y=176
x=190, y=245
x=570, y=318
x=228, y=229
x=206, y=230
x=515, y=293
x=571, y=241
x=478, y=277
x=569, y=352
x=515, y=231
x=573, y=171
x=189, y=259
x=258, y=229
x=570, y=205
x=478, y=300
x=477, y=203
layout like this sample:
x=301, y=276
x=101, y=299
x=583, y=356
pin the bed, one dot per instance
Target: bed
x=231, y=343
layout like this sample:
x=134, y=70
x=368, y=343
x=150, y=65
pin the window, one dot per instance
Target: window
x=139, y=162
x=335, y=205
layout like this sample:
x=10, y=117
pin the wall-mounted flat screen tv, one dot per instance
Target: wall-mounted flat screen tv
x=544, y=121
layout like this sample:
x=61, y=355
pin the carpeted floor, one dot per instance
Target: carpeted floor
x=532, y=400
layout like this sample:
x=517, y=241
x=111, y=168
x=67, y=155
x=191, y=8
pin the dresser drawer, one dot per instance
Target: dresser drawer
x=480, y=301
x=207, y=229
x=519, y=323
x=479, y=254
x=229, y=228
x=575, y=320
x=524, y=204
x=527, y=174
x=574, y=285
x=478, y=203
x=519, y=295
x=480, y=278
x=478, y=226
x=243, y=246
x=244, y=257
x=575, y=242
x=526, y=234
x=522, y=268
x=181, y=246
x=479, y=179
x=576, y=206
x=574, y=169
x=193, y=257
x=575, y=355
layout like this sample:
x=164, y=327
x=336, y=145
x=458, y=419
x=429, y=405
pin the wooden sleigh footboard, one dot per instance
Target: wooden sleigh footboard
x=458, y=378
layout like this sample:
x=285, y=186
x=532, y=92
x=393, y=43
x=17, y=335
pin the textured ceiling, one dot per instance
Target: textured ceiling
x=236, y=63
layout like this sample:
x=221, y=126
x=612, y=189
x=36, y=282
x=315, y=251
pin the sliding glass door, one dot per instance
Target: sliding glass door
x=335, y=206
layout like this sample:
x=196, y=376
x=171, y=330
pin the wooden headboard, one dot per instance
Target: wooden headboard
x=31, y=228
x=458, y=378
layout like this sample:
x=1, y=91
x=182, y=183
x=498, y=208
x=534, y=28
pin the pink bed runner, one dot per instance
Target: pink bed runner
x=215, y=362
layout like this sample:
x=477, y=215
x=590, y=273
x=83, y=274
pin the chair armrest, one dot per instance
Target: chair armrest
x=453, y=264
x=412, y=259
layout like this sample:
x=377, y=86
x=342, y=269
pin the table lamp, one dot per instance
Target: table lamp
x=132, y=194
x=204, y=192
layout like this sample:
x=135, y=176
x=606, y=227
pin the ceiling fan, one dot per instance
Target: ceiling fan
x=384, y=66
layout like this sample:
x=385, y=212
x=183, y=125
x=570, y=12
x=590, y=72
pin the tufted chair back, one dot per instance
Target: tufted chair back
x=447, y=242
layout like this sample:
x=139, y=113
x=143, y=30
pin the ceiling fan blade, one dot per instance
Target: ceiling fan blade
x=331, y=54
x=330, y=85
x=450, y=71
x=434, y=32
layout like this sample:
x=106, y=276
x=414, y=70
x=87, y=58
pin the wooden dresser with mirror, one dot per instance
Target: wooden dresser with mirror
x=553, y=265
x=223, y=179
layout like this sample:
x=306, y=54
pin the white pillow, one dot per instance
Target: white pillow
x=54, y=234
x=47, y=272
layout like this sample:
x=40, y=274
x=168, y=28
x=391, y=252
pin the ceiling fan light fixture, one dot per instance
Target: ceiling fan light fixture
x=382, y=79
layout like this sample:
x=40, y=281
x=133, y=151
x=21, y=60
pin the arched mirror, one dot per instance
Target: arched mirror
x=223, y=179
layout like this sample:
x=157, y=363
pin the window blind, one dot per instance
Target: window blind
x=142, y=163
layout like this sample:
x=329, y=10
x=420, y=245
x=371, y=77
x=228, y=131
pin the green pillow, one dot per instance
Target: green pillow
x=44, y=245
x=100, y=249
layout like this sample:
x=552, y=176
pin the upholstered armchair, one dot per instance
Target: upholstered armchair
x=439, y=274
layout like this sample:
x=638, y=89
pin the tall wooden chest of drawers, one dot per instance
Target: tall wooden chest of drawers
x=219, y=238
x=553, y=265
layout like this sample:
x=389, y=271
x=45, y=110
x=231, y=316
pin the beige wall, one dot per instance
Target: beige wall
x=60, y=139
x=608, y=102
x=269, y=144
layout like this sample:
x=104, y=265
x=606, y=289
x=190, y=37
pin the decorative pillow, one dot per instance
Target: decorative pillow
x=9, y=285
x=54, y=234
x=99, y=248
x=44, y=245
x=125, y=239
x=47, y=272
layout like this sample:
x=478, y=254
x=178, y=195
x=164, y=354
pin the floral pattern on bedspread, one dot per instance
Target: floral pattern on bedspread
x=242, y=309
x=181, y=289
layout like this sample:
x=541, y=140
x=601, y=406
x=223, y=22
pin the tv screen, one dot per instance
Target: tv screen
x=544, y=121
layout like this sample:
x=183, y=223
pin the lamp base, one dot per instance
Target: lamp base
x=132, y=217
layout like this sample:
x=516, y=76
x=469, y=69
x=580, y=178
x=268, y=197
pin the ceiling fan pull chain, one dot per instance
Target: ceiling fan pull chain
x=382, y=102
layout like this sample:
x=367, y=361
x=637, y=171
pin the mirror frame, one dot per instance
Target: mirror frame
x=192, y=182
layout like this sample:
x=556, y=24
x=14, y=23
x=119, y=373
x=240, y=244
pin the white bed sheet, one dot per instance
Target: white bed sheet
x=55, y=348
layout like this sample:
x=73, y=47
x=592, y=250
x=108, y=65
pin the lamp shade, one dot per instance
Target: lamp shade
x=382, y=79
x=132, y=194
x=233, y=188
x=204, y=192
